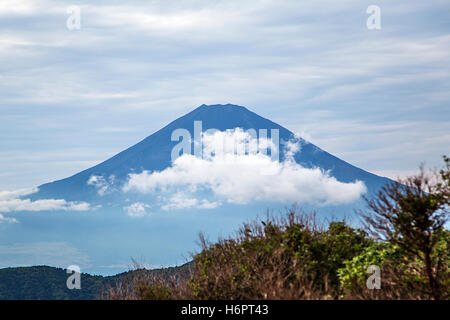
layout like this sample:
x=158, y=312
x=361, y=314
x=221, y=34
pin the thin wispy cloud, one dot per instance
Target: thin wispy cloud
x=59, y=254
x=7, y=219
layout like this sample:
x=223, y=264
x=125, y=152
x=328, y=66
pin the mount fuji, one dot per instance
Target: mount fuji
x=154, y=154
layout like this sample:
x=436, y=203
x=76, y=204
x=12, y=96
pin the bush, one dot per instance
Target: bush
x=294, y=257
x=412, y=214
x=402, y=277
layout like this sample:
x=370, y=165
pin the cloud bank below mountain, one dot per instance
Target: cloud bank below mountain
x=11, y=201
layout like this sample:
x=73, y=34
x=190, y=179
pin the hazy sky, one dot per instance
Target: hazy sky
x=69, y=99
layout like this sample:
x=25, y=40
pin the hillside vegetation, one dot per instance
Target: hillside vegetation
x=49, y=283
x=402, y=251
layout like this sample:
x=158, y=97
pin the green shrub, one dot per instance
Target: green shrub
x=290, y=258
x=402, y=276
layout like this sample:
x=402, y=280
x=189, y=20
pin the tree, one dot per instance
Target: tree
x=412, y=214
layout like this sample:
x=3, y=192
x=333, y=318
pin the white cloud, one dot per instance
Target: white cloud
x=8, y=195
x=137, y=209
x=42, y=205
x=103, y=186
x=235, y=141
x=10, y=201
x=243, y=178
x=7, y=219
x=291, y=148
x=181, y=200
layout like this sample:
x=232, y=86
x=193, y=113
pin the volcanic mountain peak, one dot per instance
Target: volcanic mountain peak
x=154, y=153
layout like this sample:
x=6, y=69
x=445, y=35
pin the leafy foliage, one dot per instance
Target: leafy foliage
x=412, y=215
x=291, y=258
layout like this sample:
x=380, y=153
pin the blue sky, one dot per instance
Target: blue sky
x=69, y=99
